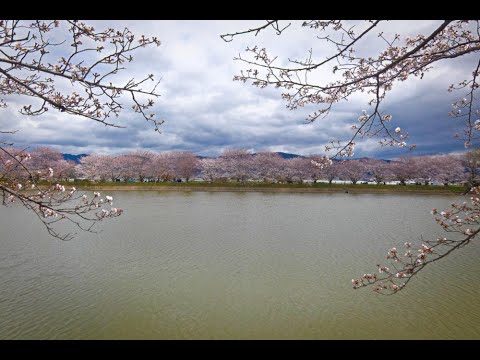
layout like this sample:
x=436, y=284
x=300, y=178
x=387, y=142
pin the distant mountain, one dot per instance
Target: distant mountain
x=75, y=158
x=289, y=156
x=282, y=154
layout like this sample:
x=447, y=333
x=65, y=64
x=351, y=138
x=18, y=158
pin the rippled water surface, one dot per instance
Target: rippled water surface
x=234, y=266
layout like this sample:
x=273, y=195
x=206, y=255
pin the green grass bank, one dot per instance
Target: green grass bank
x=265, y=187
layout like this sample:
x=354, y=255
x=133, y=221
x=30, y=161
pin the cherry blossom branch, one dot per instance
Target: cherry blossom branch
x=471, y=128
x=28, y=70
x=461, y=220
x=376, y=75
x=373, y=75
x=29, y=66
x=273, y=23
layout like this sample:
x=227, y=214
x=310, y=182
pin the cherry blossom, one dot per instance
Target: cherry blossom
x=37, y=58
x=407, y=266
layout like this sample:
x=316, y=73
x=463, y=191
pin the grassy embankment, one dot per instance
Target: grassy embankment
x=256, y=186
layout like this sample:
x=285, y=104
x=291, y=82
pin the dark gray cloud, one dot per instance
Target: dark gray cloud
x=206, y=112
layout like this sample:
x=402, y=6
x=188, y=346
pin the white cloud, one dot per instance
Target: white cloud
x=205, y=111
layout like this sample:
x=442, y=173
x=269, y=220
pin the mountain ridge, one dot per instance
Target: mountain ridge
x=77, y=157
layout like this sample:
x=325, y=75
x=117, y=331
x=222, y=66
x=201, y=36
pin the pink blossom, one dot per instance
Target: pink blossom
x=59, y=187
x=426, y=249
x=422, y=256
x=392, y=253
x=363, y=118
x=383, y=269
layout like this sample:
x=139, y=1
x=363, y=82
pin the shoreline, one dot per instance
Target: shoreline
x=337, y=189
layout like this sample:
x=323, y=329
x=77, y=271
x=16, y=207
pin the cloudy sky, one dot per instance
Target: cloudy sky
x=205, y=111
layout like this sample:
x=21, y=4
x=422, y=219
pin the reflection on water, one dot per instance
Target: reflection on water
x=234, y=265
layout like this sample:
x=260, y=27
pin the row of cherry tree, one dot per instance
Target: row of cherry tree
x=239, y=165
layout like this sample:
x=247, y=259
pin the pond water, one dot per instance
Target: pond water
x=199, y=265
